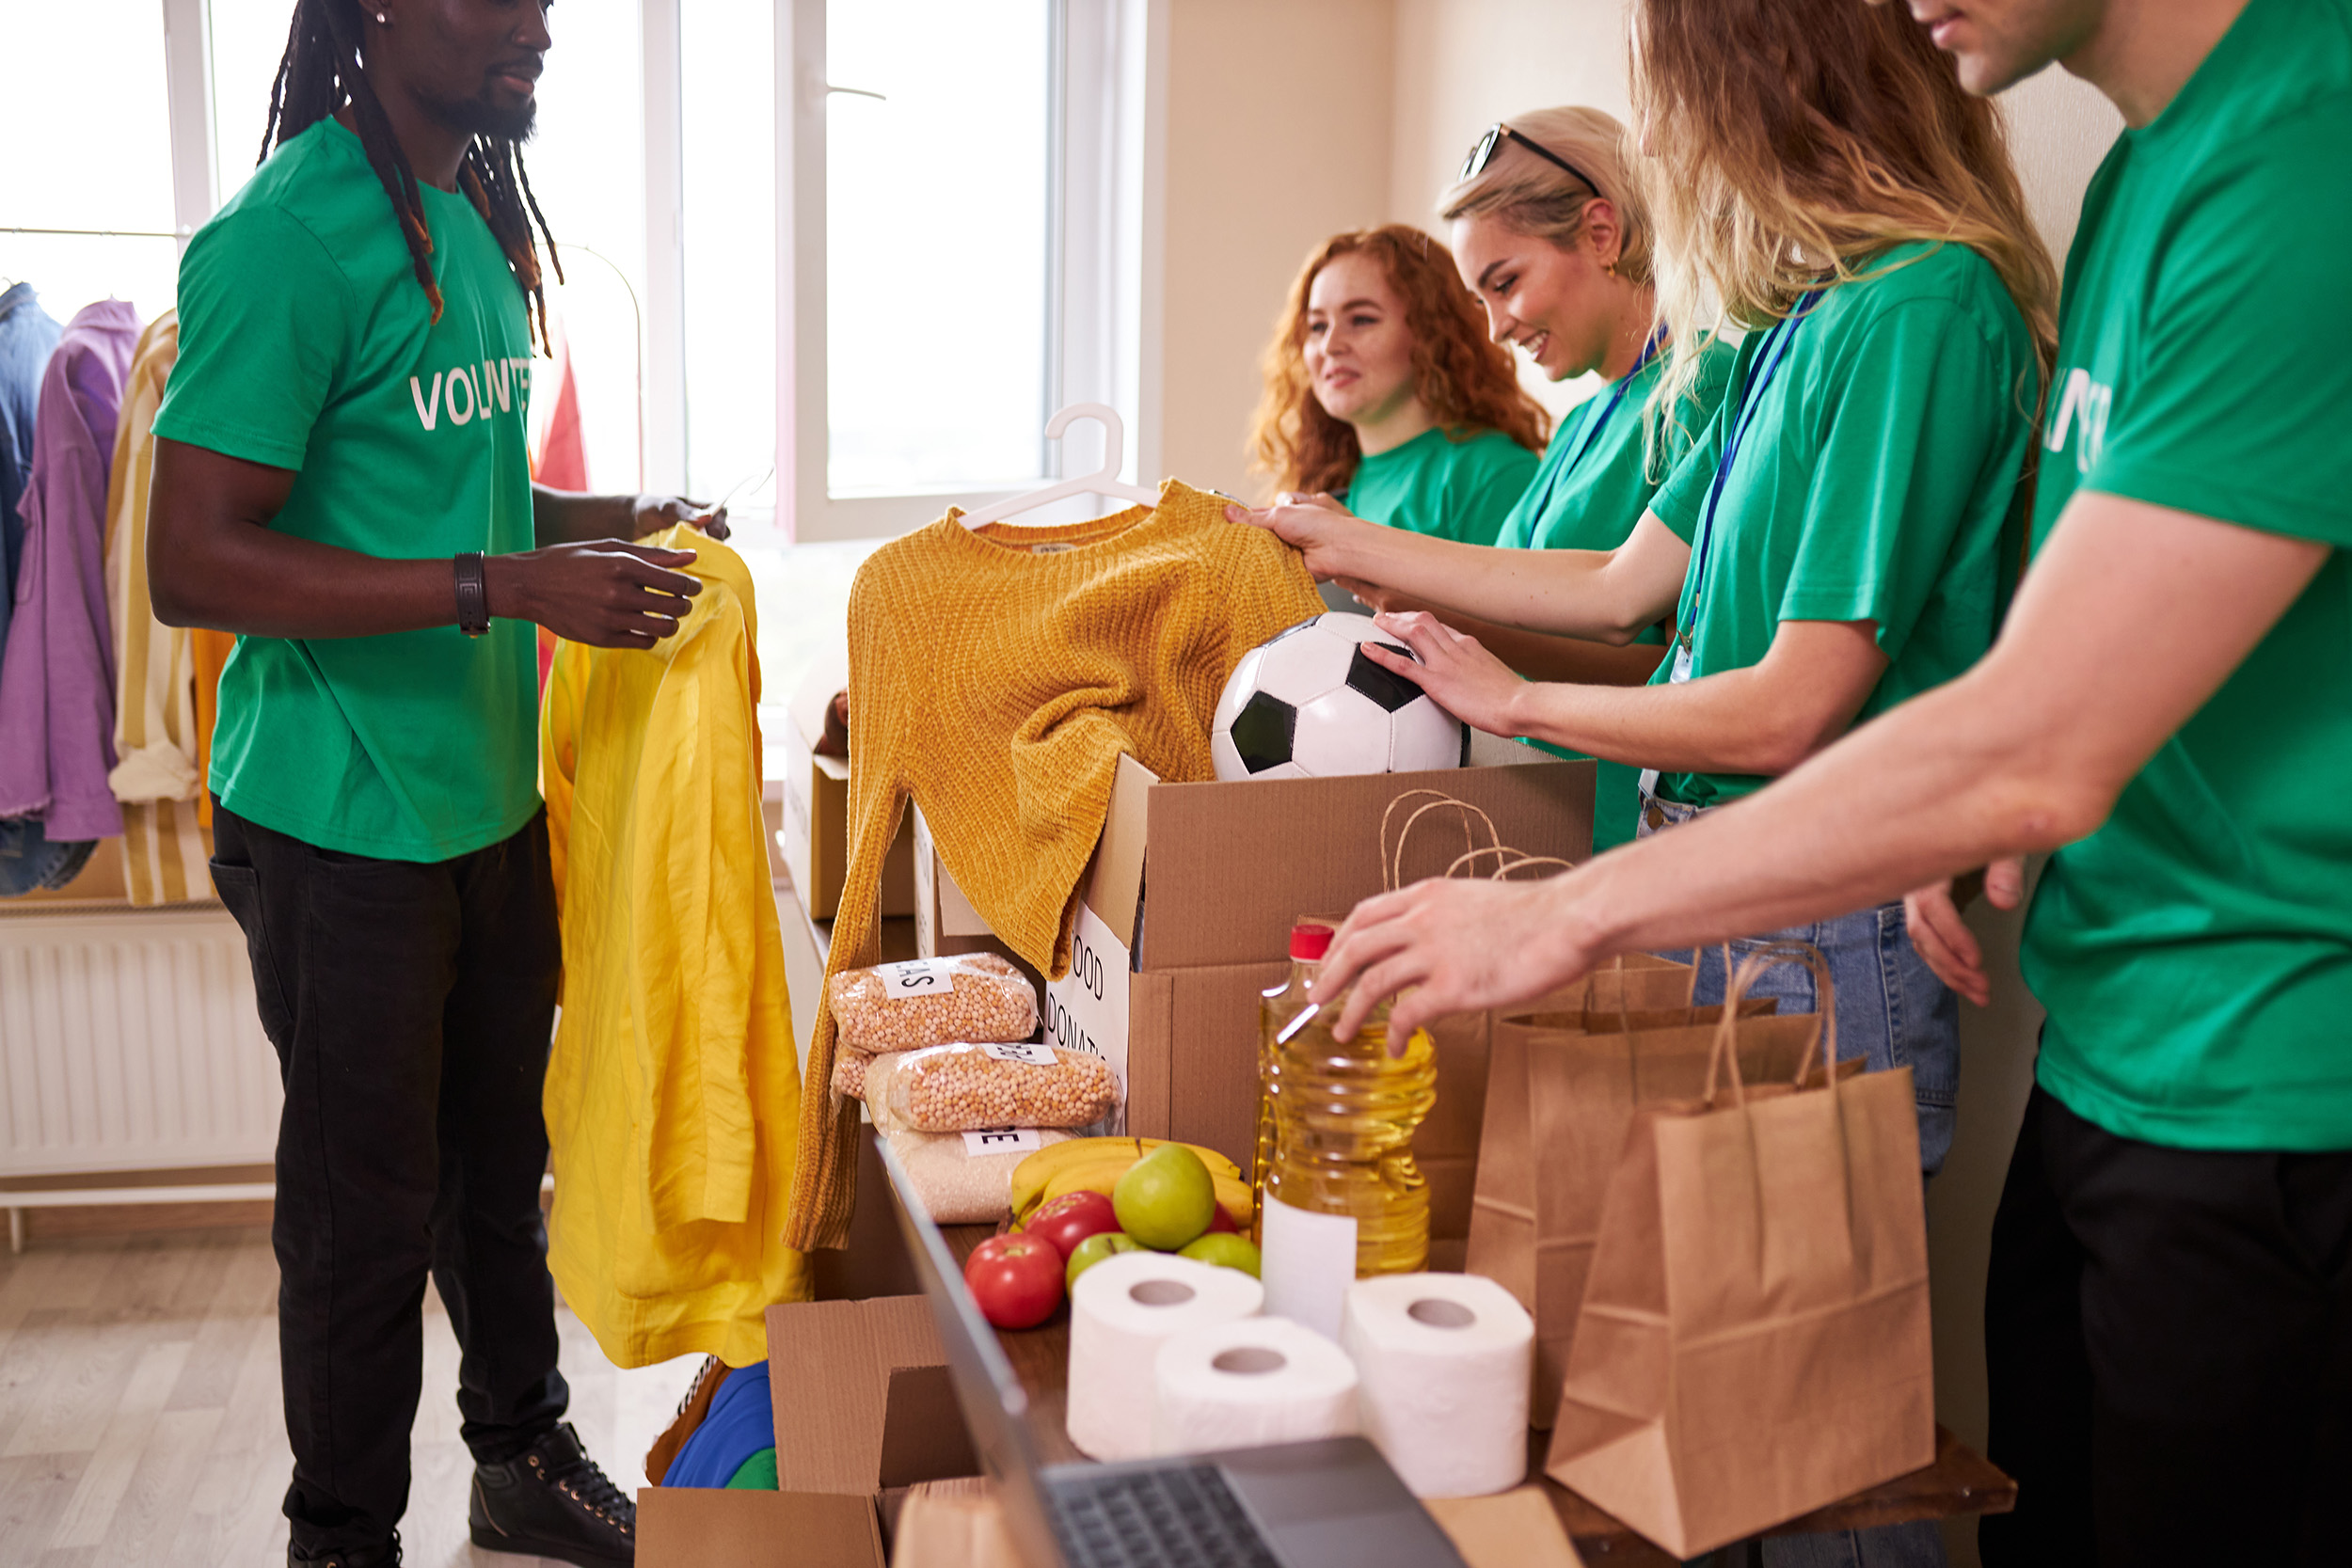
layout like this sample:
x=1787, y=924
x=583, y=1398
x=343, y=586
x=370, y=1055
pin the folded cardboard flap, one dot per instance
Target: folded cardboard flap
x=836, y=1358
x=1518, y=1528
x=924, y=1438
x=698, y=1526
x=1231, y=866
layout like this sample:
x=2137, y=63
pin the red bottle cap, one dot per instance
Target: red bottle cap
x=1310, y=941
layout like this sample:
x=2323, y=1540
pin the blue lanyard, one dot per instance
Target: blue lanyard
x=1776, y=349
x=1593, y=427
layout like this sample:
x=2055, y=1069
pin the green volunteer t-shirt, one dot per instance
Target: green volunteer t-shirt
x=1876, y=481
x=1596, y=482
x=2194, y=953
x=1598, y=475
x=305, y=342
x=1446, y=489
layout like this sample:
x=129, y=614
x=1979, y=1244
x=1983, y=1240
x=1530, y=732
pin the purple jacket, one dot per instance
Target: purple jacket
x=57, y=675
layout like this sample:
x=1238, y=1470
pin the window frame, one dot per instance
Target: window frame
x=1100, y=208
x=1105, y=189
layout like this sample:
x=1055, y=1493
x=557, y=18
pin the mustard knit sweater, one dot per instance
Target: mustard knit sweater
x=996, y=676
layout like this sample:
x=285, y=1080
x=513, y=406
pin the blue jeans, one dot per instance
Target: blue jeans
x=30, y=859
x=1892, y=1011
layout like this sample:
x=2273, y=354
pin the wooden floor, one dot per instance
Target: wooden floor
x=139, y=1417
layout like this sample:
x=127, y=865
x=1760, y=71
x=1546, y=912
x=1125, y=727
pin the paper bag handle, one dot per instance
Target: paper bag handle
x=1689, y=1016
x=1735, y=991
x=1392, y=860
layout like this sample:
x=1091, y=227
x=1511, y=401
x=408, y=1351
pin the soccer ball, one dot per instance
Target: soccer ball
x=1311, y=704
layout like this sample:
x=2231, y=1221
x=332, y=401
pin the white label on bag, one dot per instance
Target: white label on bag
x=917, y=977
x=1309, y=1263
x=1036, y=1055
x=1087, y=1009
x=1001, y=1140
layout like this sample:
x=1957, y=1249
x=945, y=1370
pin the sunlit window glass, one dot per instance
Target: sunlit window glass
x=587, y=166
x=935, y=231
x=77, y=162
x=248, y=40
x=727, y=59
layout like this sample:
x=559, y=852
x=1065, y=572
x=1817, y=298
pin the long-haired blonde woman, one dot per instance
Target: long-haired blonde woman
x=1552, y=235
x=1382, y=388
x=1840, y=538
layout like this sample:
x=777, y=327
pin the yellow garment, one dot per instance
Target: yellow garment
x=996, y=676
x=162, y=719
x=673, y=1091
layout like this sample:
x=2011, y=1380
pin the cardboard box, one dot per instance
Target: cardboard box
x=863, y=1408
x=1186, y=914
x=810, y=828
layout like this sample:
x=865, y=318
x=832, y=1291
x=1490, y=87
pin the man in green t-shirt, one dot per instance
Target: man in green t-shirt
x=2170, y=709
x=342, y=479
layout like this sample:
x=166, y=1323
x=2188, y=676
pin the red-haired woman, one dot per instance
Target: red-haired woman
x=1382, y=388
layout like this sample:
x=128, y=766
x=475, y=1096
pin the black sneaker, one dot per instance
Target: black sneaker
x=386, y=1556
x=551, y=1500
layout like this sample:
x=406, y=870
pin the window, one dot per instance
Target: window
x=965, y=182
x=76, y=165
x=844, y=315
x=728, y=141
x=938, y=166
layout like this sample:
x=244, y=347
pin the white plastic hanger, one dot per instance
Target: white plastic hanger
x=1105, y=481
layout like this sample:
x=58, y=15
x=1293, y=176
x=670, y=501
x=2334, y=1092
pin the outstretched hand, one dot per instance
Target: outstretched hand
x=1943, y=937
x=1311, y=523
x=1443, y=947
x=1456, y=670
x=652, y=513
x=599, y=592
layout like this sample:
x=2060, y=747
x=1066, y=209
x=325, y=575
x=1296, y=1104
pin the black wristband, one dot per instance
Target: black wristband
x=473, y=594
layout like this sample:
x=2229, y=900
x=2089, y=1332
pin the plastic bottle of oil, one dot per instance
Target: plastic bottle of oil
x=1343, y=1121
x=1310, y=941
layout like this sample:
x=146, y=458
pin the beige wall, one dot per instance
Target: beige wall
x=1277, y=136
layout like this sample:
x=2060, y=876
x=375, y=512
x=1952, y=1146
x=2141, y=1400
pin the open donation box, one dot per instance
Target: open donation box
x=1185, y=917
x=863, y=1408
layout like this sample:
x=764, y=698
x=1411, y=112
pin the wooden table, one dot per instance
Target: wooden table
x=1959, y=1482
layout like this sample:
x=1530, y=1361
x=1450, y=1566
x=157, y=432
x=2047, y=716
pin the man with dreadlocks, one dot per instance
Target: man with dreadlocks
x=341, y=478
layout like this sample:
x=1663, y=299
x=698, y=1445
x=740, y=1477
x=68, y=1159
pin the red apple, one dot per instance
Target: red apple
x=1015, y=1280
x=1071, y=1219
x=1221, y=1221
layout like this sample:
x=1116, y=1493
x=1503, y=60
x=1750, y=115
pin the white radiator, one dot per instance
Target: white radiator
x=128, y=1041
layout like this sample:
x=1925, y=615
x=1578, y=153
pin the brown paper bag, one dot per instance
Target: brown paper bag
x=1562, y=1085
x=1753, y=1340
x=1446, y=1148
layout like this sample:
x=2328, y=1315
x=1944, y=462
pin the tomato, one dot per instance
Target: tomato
x=1071, y=1219
x=1015, y=1280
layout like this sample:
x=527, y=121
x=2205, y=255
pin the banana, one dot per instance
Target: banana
x=1234, y=1196
x=1033, y=1175
x=1100, y=1176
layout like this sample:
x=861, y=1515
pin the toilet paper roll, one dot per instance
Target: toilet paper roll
x=1443, y=1362
x=1238, y=1385
x=1123, y=1311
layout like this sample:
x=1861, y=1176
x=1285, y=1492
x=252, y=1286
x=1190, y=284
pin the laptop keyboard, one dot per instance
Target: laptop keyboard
x=1181, y=1517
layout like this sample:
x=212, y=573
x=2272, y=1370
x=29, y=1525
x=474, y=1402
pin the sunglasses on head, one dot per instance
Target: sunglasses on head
x=1497, y=133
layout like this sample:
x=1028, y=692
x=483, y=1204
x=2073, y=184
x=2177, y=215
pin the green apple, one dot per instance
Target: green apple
x=1102, y=1245
x=1166, y=1198
x=1224, y=1249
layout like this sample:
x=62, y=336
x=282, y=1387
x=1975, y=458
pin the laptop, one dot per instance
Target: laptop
x=1330, y=1504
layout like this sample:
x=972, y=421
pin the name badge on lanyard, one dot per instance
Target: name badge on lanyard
x=1769, y=361
x=1595, y=423
x=1776, y=349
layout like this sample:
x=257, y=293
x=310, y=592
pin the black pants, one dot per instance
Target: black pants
x=411, y=1008
x=2169, y=1337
